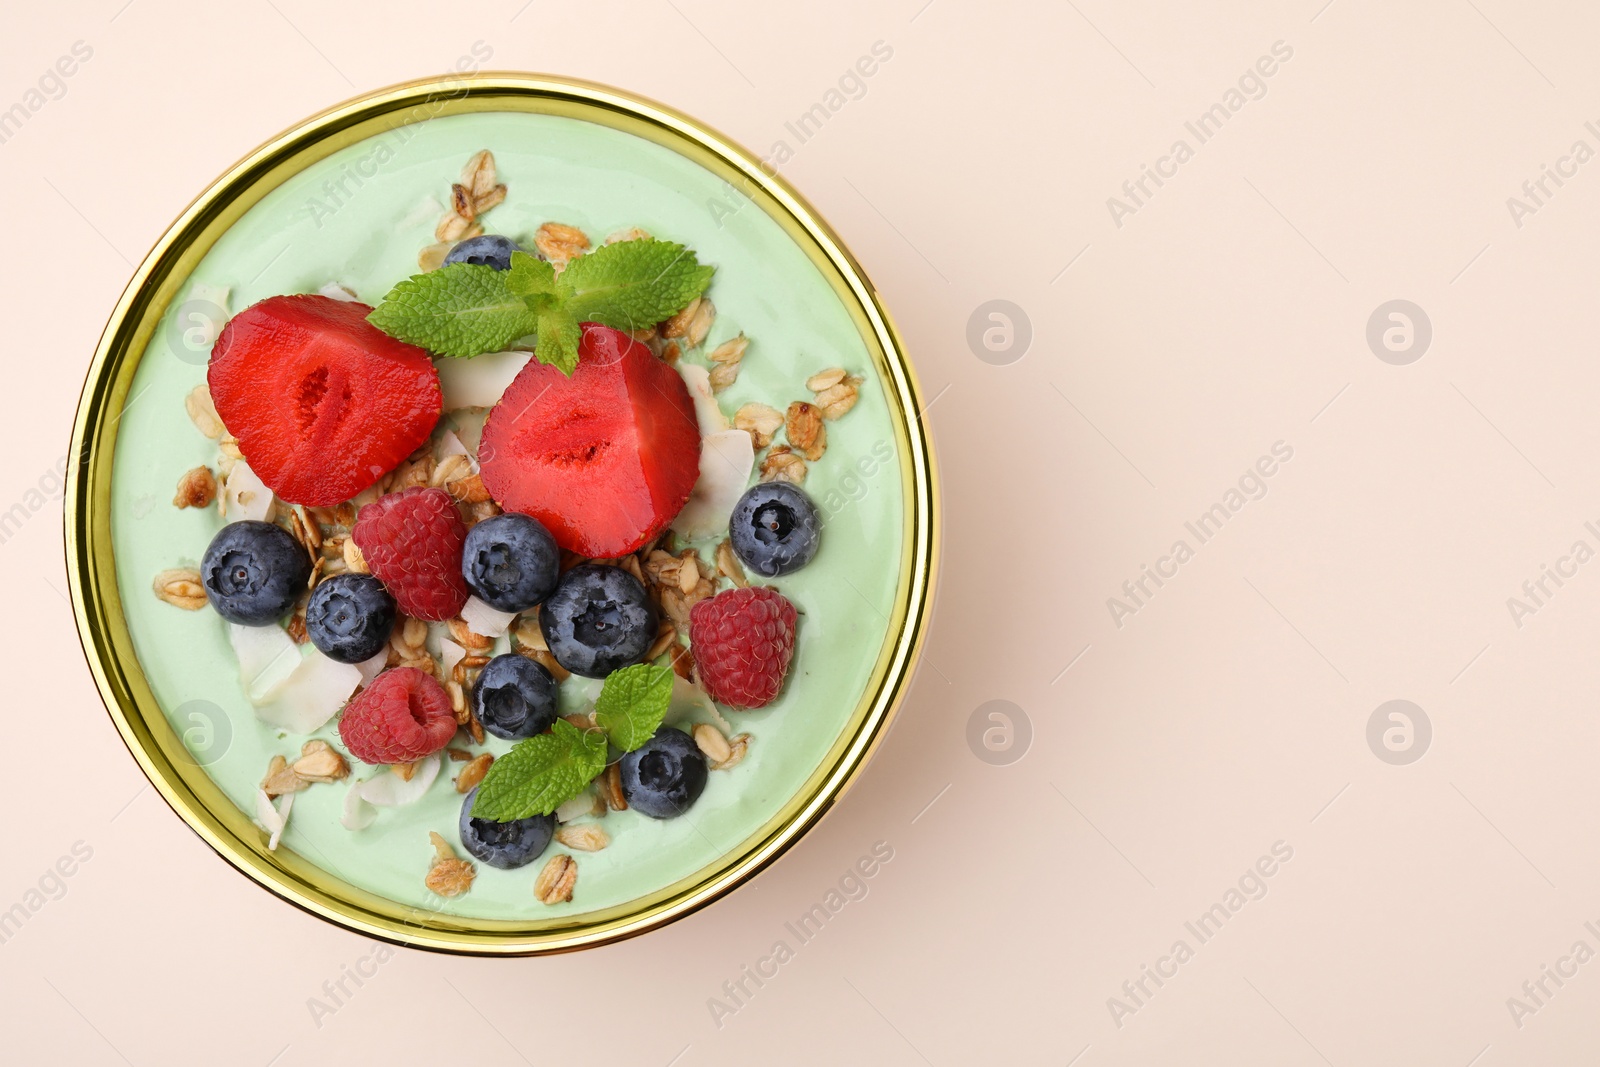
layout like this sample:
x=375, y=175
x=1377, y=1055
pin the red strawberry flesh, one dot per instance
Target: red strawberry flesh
x=322, y=402
x=606, y=458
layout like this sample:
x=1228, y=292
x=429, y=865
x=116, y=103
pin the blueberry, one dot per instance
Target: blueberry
x=253, y=572
x=349, y=617
x=774, y=528
x=514, y=697
x=504, y=844
x=490, y=250
x=511, y=562
x=665, y=776
x=598, y=620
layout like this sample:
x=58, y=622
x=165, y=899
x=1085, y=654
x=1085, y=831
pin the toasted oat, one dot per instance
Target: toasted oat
x=683, y=662
x=473, y=772
x=458, y=700
x=547, y=660
x=449, y=469
x=479, y=173
x=181, y=587
x=318, y=567
x=759, y=421
x=839, y=397
x=344, y=514
x=555, y=883
x=354, y=561
x=710, y=741
x=825, y=378
x=196, y=489
x=675, y=606
x=297, y=621
x=492, y=199
x=671, y=353
x=782, y=465
x=483, y=509
x=559, y=243
x=281, y=779
x=452, y=227
x=700, y=324
x=631, y=565
x=405, y=770
x=724, y=375
x=632, y=233
x=730, y=351
x=468, y=489
x=678, y=325
x=688, y=571
x=449, y=876
x=462, y=202
x=610, y=788
x=462, y=635
x=528, y=634
x=737, y=746
x=431, y=258
x=413, y=632
x=666, y=635
x=803, y=426
x=320, y=762
x=460, y=755
x=202, y=412
x=585, y=838
x=729, y=567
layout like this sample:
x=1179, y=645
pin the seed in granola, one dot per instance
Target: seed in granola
x=824, y=378
x=729, y=567
x=196, y=489
x=678, y=325
x=730, y=351
x=555, y=883
x=737, y=746
x=710, y=741
x=783, y=465
x=462, y=635
x=431, y=258
x=688, y=572
x=759, y=421
x=452, y=227
x=460, y=755
x=700, y=324
x=610, y=787
x=449, y=876
x=671, y=353
x=180, y=587
x=461, y=201
x=320, y=762
x=839, y=397
x=723, y=375
x=469, y=489
x=559, y=243
x=585, y=838
x=473, y=772
x=666, y=635
x=281, y=779
x=683, y=663
x=479, y=173
x=449, y=469
x=803, y=426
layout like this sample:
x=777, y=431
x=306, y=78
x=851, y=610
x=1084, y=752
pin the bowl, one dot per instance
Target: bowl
x=341, y=198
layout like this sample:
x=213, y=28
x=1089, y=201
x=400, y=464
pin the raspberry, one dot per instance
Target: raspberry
x=742, y=641
x=412, y=540
x=401, y=717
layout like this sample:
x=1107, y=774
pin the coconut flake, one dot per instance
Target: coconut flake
x=706, y=410
x=336, y=291
x=267, y=658
x=392, y=791
x=316, y=689
x=484, y=620
x=481, y=381
x=450, y=654
x=371, y=668
x=358, y=814
x=273, y=819
x=726, y=459
x=246, y=496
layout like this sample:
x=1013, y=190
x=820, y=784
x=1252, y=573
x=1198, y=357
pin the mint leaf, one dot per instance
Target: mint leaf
x=632, y=284
x=540, y=774
x=558, y=337
x=459, y=310
x=632, y=704
x=531, y=276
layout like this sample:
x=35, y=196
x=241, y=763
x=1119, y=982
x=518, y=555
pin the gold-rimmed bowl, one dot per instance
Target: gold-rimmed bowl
x=882, y=525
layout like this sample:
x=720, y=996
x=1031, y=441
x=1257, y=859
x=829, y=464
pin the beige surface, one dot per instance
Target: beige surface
x=1229, y=713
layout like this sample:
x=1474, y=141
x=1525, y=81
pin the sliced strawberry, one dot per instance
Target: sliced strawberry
x=322, y=401
x=606, y=458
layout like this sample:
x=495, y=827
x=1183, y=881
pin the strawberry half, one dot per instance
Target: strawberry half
x=321, y=401
x=606, y=458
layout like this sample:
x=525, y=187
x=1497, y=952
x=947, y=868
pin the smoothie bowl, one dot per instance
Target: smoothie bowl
x=500, y=520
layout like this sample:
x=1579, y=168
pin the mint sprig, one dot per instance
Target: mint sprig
x=464, y=310
x=540, y=774
x=543, y=772
x=632, y=704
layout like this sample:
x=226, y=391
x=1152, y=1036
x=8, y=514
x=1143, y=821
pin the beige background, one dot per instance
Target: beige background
x=1167, y=755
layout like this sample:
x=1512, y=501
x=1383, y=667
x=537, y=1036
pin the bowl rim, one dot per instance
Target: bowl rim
x=91, y=569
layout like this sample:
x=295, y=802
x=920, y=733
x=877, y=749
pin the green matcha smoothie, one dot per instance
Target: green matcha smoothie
x=359, y=219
